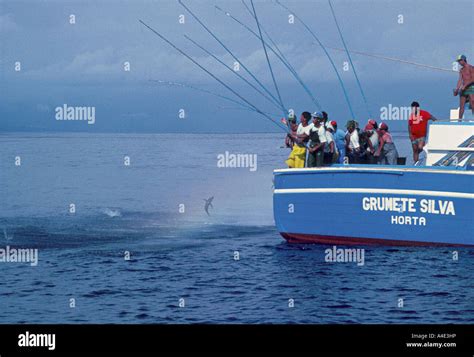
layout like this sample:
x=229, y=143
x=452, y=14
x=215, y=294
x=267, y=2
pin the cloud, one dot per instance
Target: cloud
x=7, y=23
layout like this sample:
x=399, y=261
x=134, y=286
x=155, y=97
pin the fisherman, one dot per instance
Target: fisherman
x=417, y=128
x=352, y=142
x=387, y=151
x=293, y=126
x=325, y=119
x=373, y=123
x=465, y=85
x=372, y=143
x=340, y=140
x=318, y=122
x=318, y=141
x=297, y=156
x=330, y=149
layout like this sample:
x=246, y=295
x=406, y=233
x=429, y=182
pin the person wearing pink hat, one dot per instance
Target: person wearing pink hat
x=387, y=151
x=373, y=123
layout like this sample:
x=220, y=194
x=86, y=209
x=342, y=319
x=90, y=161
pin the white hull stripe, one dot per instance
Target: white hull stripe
x=374, y=169
x=376, y=191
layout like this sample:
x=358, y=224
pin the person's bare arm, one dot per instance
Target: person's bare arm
x=458, y=85
x=381, y=144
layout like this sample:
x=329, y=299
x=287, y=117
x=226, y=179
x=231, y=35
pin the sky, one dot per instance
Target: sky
x=82, y=64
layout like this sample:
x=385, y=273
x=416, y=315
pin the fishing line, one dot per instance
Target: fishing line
x=211, y=74
x=184, y=85
x=230, y=52
x=327, y=55
x=234, y=72
x=281, y=58
x=350, y=60
x=266, y=56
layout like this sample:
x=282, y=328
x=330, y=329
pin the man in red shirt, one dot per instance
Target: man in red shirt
x=417, y=127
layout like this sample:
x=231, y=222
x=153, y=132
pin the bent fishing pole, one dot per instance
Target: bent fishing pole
x=233, y=56
x=279, y=55
x=394, y=59
x=266, y=55
x=184, y=85
x=326, y=53
x=211, y=74
x=231, y=70
x=350, y=60
x=241, y=106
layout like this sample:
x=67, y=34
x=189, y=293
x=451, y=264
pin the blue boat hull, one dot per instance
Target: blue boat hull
x=375, y=205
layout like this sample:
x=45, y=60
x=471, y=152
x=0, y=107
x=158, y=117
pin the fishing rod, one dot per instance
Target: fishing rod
x=232, y=54
x=327, y=55
x=234, y=72
x=266, y=55
x=280, y=56
x=394, y=59
x=242, y=106
x=350, y=60
x=211, y=74
x=184, y=85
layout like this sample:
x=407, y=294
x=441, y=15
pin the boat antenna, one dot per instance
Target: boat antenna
x=211, y=74
x=231, y=53
x=234, y=72
x=266, y=56
x=327, y=55
x=280, y=56
x=350, y=60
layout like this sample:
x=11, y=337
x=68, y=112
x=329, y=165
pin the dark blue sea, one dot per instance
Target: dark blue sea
x=184, y=265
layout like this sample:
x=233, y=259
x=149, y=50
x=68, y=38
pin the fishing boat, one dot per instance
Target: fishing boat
x=352, y=204
x=430, y=204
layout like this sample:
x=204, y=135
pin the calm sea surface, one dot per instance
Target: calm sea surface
x=179, y=255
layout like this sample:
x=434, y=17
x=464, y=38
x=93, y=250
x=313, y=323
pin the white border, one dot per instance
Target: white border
x=376, y=191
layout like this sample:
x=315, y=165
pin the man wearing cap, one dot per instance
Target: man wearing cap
x=465, y=85
x=417, y=128
x=387, y=151
x=318, y=141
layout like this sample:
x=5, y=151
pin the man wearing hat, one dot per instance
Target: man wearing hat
x=465, y=86
x=317, y=141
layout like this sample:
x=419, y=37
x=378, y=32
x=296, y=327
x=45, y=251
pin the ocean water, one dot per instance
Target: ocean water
x=185, y=256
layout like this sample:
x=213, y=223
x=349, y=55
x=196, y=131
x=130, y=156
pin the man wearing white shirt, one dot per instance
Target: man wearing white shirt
x=317, y=143
x=352, y=139
x=330, y=150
